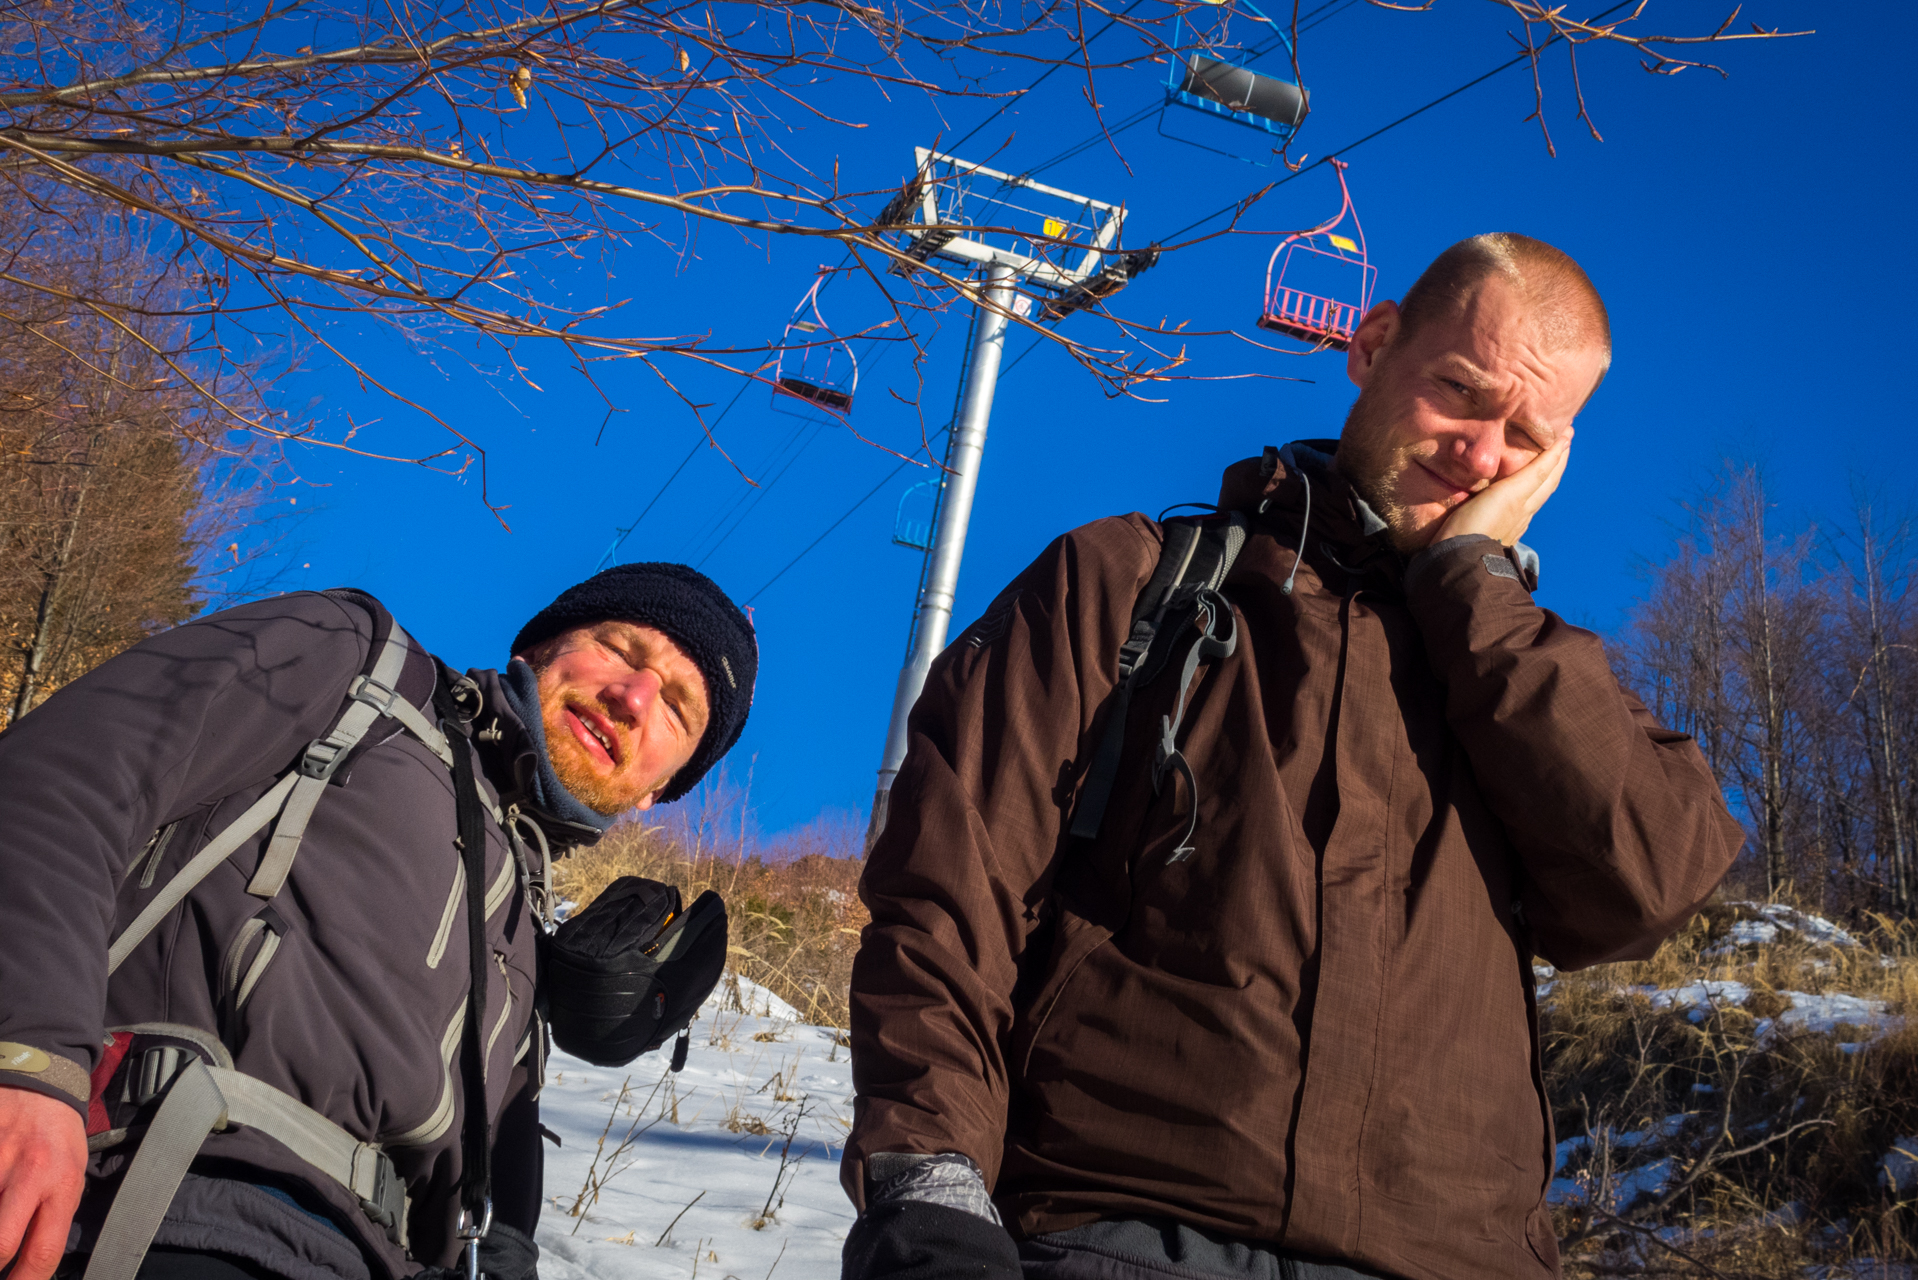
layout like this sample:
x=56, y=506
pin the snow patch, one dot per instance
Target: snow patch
x=742, y=1148
x=1774, y=921
x=1898, y=1171
x=1699, y=999
x=1825, y=1014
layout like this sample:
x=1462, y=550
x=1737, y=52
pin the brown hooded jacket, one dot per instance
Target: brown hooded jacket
x=1318, y=1031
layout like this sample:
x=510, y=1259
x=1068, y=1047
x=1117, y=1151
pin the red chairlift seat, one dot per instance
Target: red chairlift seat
x=1325, y=321
x=820, y=372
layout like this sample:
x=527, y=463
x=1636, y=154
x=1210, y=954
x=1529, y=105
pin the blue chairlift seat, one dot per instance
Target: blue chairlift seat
x=913, y=528
x=1221, y=85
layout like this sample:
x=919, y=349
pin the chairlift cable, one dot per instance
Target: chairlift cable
x=1410, y=115
x=705, y=437
x=757, y=494
x=1013, y=101
x=781, y=458
x=1311, y=19
x=872, y=493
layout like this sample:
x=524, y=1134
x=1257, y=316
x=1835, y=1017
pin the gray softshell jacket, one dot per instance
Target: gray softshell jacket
x=113, y=784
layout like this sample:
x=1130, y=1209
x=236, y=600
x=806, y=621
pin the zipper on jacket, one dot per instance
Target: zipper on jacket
x=247, y=959
x=154, y=851
x=434, y=1127
x=505, y=1011
x=495, y=895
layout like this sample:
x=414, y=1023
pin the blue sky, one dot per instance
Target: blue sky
x=1750, y=236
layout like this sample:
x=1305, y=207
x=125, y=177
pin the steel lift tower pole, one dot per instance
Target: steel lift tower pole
x=933, y=205
x=954, y=515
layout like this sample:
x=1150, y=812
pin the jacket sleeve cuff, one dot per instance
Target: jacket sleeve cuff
x=949, y=1179
x=24, y=1067
x=1518, y=563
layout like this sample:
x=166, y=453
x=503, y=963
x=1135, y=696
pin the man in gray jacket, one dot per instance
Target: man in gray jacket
x=254, y=969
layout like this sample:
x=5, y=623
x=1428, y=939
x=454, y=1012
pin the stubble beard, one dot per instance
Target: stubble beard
x=607, y=795
x=1375, y=469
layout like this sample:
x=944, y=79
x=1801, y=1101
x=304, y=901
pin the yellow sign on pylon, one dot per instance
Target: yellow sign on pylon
x=1054, y=227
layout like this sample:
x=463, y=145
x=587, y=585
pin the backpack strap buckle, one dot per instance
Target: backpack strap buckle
x=387, y=1206
x=321, y=757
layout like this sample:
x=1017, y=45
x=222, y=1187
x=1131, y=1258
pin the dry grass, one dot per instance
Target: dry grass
x=1773, y=1135
x=1773, y=1139
x=792, y=904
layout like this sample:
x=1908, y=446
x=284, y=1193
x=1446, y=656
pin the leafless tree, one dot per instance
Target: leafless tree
x=1727, y=647
x=1876, y=682
x=450, y=169
x=113, y=492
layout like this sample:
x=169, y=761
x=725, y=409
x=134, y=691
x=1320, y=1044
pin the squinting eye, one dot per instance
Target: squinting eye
x=1459, y=387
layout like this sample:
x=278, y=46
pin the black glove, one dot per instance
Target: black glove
x=504, y=1254
x=914, y=1240
x=629, y=972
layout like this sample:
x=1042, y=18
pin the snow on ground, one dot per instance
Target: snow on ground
x=1825, y=1014
x=1698, y=999
x=1775, y=920
x=1627, y=1184
x=1898, y=1170
x=1822, y=1014
x=762, y=1098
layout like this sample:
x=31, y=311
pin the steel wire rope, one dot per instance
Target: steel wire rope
x=754, y=496
x=704, y=437
x=1014, y=100
x=1411, y=115
x=779, y=460
x=871, y=493
x=1003, y=108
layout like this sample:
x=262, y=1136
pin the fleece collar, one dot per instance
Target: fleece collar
x=511, y=738
x=1339, y=516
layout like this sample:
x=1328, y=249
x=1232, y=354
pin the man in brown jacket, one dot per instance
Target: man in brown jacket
x=1277, y=1017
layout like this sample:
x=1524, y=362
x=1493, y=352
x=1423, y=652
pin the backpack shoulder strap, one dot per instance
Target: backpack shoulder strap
x=200, y=1092
x=1197, y=554
x=293, y=798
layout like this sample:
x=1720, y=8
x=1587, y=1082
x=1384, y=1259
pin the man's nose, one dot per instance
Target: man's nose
x=635, y=696
x=1481, y=449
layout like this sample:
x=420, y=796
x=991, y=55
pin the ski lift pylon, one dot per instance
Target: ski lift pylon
x=1326, y=319
x=816, y=366
x=1222, y=85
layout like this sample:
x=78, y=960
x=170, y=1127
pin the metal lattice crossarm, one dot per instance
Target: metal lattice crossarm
x=973, y=216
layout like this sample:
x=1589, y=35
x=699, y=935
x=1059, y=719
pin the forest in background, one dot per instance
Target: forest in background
x=1787, y=645
x=124, y=509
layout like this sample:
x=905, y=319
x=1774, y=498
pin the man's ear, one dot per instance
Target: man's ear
x=1375, y=333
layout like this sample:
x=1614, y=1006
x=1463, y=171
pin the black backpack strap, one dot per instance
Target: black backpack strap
x=476, y=1141
x=1197, y=554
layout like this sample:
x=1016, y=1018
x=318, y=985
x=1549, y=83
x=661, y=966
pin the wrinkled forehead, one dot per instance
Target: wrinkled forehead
x=1506, y=341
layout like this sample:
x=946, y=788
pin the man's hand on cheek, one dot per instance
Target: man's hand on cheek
x=1505, y=507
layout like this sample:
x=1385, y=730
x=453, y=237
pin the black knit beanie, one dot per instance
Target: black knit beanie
x=691, y=609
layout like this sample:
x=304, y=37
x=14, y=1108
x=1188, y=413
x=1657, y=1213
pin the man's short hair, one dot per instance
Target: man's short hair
x=1557, y=289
